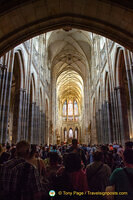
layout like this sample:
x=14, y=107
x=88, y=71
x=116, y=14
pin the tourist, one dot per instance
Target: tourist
x=71, y=177
x=75, y=149
x=53, y=166
x=4, y=156
x=36, y=161
x=18, y=178
x=129, y=145
x=121, y=180
x=98, y=173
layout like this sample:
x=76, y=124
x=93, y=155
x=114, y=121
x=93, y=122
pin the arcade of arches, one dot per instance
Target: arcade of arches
x=64, y=84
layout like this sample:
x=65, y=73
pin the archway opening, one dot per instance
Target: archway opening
x=14, y=101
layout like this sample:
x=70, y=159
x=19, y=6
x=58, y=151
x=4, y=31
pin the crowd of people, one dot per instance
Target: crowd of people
x=29, y=172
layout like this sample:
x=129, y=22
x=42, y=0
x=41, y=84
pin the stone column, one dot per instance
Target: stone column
x=43, y=128
x=97, y=126
x=129, y=73
x=17, y=116
x=31, y=123
x=27, y=118
x=123, y=122
x=23, y=116
x=5, y=104
x=35, y=124
x=45, y=136
x=99, y=120
x=105, y=125
x=2, y=91
x=109, y=123
x=112, y=118
x=116, y=120
x=102, y=124
x=40, y=126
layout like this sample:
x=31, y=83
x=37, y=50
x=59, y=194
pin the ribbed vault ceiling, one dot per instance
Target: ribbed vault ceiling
x=69, y=55
x=70, y=84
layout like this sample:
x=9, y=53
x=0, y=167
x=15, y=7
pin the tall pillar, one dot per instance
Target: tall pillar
x=43, y=128
x=2, y=91
x=109, y=123
x=117, y=121
x=5, y=104
x=129, y=73
x=17, y=116
x=31, y=123
x=27, y=118
x=124, y=135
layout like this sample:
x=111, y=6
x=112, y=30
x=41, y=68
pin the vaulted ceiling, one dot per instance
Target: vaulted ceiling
x=69, y=55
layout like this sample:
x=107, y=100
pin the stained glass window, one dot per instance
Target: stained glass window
x=70, y=108
x=75, y=108
x=65, y=132
x=76, y=133
x=65, y=108
x=70, y=133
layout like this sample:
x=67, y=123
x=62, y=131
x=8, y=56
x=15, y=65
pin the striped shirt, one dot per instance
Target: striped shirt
x=18, y=175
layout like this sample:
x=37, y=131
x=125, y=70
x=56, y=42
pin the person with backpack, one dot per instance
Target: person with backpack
x=121, y=180
x=19, y=179
x=75, y=149
x=98, y=174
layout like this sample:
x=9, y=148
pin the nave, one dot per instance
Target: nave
x=66, y=104
x=66, y=84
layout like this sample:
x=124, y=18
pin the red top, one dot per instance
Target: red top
x=78, y=180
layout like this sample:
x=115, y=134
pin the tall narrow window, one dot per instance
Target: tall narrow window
x=65, y=135
x=65, y=108
x=75, y=108
x=76, y=133
x=70, y=133
x=70, y=108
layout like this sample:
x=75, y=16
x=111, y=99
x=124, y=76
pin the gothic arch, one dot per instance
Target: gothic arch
x=31, y=134
x=16, y=98
x=22, y=61
x=21, y=66
x=122, y=94
x=36, y=17
x=33, y=91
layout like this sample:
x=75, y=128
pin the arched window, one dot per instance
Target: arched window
x=65, y=134
x=75, y=108
x=65, y=108
x=76, y=133
x=70, y=108
x=70, y=133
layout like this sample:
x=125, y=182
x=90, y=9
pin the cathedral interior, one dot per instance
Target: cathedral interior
x=66, y=71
